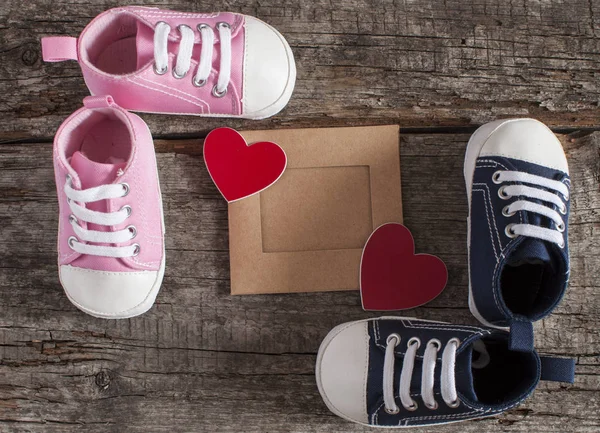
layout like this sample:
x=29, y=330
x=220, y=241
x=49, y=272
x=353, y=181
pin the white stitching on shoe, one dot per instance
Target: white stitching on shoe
x=177, y=90
x=133, y=80
x=462, y=328
x=479, y=412
x=489, y=200
x=474, y=331
x=493, y=162
x=178, y=14
x=487, y=214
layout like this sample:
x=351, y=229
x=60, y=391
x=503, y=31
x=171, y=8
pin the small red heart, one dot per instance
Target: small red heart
x=393, y=277
x=240, y=170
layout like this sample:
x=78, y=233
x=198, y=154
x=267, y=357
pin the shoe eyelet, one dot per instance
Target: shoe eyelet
x=435, y=342
x=563, y=209
x=413, y=341
x=217, y=94
x=509, y=231
x=128, y=209
x=393, y=337
x=202, y=26
x=414, y=406
x=137, y=249
x=72, y=241
x=69, y=179
x=432, y=407
x=177, y=76
x=125, y=189
x=560, y=227
x=502, y=193
x=506, y=213
x=392, y=411
x=183, y=26
x=454, y=340
x=454, y=404
x=133, y=231
x=496, y=177
x=198, y=83
x=73, y=219
x=160, y=71
x=223, y=25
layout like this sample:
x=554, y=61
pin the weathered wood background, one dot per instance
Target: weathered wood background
x=203, y=361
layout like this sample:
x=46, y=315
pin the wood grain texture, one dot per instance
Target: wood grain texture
x=204, y=361
x=419, y=63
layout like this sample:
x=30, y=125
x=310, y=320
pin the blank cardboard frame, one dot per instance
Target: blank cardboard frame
x=306, y=232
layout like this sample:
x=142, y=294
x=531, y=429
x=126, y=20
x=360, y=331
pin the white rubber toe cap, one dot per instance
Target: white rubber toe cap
x=269, y=70
x=527, y=140
x=107, y=294
x=342, y=367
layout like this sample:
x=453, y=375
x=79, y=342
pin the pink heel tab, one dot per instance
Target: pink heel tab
x=105, y=101
x=59, y=48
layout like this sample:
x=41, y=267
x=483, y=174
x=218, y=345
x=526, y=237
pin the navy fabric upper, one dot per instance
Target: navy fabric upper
x=492, y=250
x=528, y=369
x=380, y=329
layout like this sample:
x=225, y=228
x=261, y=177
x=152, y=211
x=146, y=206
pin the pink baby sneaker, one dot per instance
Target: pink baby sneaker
x=159, y=61
x=110, y=231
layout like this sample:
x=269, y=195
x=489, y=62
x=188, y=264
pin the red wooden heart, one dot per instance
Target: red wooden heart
x=240, y=170
x=393, y=277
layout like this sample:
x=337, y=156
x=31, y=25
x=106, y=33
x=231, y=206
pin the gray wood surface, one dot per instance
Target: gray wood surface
x=420, y=63
x=203, y=361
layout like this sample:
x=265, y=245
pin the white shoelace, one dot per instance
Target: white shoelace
x=534, y=192
x=186, y=48
x=80, y=213
x=448, y=384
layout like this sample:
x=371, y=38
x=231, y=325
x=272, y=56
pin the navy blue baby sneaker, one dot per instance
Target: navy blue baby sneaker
x=401, y=372
x=518, y=185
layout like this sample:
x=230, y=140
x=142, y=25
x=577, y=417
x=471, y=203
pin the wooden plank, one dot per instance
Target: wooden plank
x=204, y=361
x=420, y=63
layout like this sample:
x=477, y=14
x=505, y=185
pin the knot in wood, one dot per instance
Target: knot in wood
x=30, y=56
x=103, y=379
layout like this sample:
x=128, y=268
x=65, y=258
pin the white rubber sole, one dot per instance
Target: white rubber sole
x=474, y=146
x=328, y=338
x=285, y=97
x=139, y=309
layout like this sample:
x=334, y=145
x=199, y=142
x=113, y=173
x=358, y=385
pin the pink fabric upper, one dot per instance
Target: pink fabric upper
x=126, y=34
x=132, y=160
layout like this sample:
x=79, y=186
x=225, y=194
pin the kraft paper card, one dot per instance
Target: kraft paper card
x=306, y=232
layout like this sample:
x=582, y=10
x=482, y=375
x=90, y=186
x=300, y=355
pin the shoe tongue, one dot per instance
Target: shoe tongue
x=92, y=174
x=144, y=43
x=530, y=251
x=463, y=373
